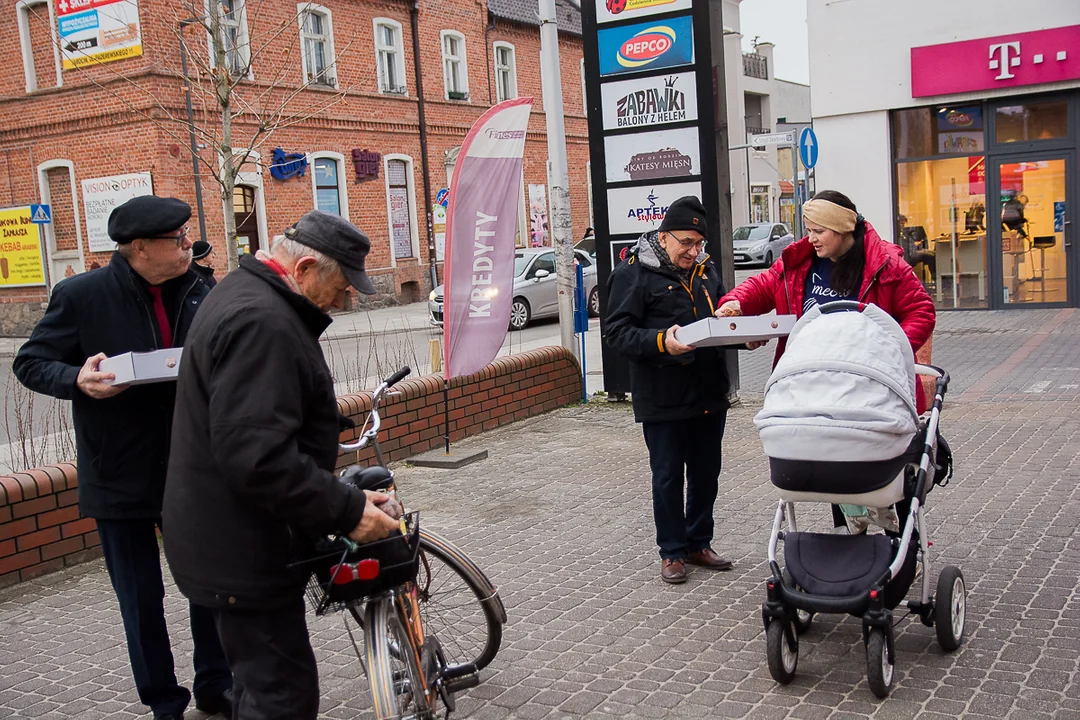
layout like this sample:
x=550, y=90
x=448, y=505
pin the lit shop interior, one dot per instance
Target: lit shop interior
x=981, y=200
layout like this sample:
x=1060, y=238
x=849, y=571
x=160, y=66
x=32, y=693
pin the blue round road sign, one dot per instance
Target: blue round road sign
x=808, y=148
x=442, y=197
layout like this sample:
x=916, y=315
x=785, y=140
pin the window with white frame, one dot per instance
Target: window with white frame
x=455, y=67
x=328, y=185
x=389, y=56
x=317, y=44
x=505, y=72
x=234, y=35
x=398, y=198
x=584, y=100
x=36, y=41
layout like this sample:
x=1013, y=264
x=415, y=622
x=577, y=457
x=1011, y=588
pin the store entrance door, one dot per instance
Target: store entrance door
x=247, y=221
x=1033, y=229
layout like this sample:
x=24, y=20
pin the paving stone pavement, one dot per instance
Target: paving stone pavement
x=559, y=517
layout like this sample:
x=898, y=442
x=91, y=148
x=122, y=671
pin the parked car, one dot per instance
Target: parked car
x=760, y=243
x=535, y=289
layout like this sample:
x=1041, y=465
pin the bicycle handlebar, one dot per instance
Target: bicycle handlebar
x=397, y=377
x=373, y=432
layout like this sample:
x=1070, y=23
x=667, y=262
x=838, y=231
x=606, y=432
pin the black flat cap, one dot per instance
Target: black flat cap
x=200, y=249
x=339, y=239
x=686, y=213
x=147, y=216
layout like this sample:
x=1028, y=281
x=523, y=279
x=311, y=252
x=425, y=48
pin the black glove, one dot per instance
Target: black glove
x=345, y=423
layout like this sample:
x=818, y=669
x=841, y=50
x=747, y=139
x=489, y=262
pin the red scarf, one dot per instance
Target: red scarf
x=161, y=315
x=278, y=268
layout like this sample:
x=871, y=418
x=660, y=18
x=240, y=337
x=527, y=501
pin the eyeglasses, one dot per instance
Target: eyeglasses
x=699, y=244
x=178, y=239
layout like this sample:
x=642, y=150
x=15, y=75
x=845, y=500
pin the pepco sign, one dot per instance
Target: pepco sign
x=644, y=46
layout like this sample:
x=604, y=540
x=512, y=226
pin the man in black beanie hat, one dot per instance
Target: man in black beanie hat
x=144, y=299
x=200, y=261
x=679, y=393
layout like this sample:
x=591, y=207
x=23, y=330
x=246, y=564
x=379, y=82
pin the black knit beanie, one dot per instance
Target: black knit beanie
x=686, y=213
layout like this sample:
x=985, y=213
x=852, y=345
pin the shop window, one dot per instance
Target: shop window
x=326, y=183
x=759, y=203
x=399, y=195
x=941, y=226
x=389, y=56
x=317, y=44
x=942, y=130
x=40, y=56
x=1031, y=121
x=455, y=66
x=505, y=72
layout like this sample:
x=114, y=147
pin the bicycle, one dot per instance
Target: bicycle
x=409, y=594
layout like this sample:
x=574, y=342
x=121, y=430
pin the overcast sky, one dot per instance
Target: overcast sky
x=783, y=23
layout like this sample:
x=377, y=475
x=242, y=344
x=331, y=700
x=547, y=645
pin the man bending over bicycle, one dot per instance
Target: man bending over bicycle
x=255, y=442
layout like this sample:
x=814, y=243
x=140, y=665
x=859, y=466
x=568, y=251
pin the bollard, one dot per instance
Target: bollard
x=435, y=348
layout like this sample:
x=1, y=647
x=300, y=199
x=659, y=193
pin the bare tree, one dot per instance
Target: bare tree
x=229, y=108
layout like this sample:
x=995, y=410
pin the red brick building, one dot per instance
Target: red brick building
x=344, y=71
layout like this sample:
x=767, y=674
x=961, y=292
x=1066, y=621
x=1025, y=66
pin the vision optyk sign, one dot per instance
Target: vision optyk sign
x=481, y=220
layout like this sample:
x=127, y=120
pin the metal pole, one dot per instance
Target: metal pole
x=952, y=244
x=797, y=220
x=561, y=227
x=191, y=133
x=424, y=169
x=446, y=410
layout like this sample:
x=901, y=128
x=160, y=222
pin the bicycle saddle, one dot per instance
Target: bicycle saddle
x=368, y=478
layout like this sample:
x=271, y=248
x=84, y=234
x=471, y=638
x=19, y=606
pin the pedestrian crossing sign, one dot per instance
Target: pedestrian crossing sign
x=40, y=214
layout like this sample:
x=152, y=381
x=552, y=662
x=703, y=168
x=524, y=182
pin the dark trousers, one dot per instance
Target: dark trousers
x=684, y=450
x=274, y=671
x=133, y=560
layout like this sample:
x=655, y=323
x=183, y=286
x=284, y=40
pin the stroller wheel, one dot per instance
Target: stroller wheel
x=803, y=618
x=879, y=671
x=783, y=656
x=950, y=608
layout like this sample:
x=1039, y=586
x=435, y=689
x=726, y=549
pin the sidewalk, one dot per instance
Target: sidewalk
x=559, y=516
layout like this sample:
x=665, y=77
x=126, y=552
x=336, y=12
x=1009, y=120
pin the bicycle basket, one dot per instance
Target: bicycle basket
x=333, y=583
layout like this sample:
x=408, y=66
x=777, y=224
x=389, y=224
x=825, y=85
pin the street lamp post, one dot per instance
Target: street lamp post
x=191, y=131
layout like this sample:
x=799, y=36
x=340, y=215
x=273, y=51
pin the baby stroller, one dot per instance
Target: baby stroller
x=839, y=424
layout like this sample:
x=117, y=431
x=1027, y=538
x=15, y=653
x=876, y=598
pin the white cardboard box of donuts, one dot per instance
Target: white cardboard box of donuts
x=737, y=330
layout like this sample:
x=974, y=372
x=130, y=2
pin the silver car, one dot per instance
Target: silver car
x=535, y=289
x=760, y=243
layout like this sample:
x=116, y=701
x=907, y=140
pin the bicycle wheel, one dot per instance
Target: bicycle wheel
x=397, y=688
x=458, y=603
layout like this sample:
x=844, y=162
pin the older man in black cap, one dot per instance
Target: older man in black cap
x=679, y=392
x=144, y=299
x=255, y=443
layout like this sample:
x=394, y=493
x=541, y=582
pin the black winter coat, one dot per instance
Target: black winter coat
x=122, y=441
x=206, y=273
x=645, y=299
x=255, y=442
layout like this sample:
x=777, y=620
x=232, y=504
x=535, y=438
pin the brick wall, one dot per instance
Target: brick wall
x=100, y=120
x=41, y=530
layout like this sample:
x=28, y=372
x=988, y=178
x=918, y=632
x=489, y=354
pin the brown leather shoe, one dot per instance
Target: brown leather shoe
x=708, y=559
x=673, y=571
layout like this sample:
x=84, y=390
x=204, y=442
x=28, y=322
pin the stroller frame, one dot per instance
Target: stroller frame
x=788, y=610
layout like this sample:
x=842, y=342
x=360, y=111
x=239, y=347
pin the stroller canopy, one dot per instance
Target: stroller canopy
x=843, y=390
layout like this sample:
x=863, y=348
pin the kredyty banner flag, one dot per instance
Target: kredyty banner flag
x=481, y=219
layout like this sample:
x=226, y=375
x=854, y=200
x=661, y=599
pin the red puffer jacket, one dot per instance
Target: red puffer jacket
x=888, y=282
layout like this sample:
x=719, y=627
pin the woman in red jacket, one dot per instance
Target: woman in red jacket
x=842, y=258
